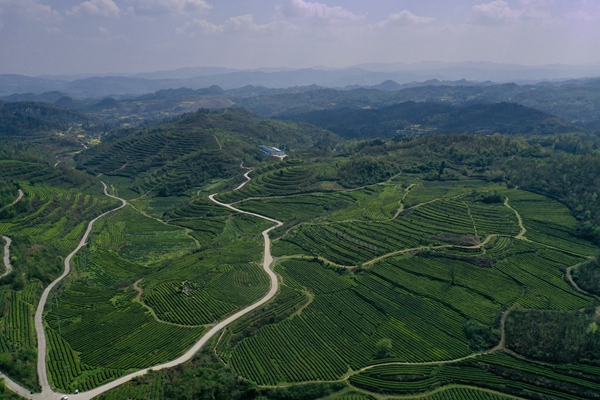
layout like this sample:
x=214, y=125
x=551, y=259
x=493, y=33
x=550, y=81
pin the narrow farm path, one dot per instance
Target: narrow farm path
x=521, y=234
x=401, y=201
x=574, y=284
x=187, y=230
x=217, y=140
x=430, y=393
x=138, y=298
x=7, y=264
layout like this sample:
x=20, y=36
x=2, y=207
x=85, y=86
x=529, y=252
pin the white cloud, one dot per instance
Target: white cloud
x=583, y=16
x=105, y=8
x=499, y=11
x=30, y=9
x=318, y=11
x=404, y=17
x=240, y=23
x=158, y=7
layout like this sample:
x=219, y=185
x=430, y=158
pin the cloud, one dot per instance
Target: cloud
x=158, y=7
x=404, y=17
x=499, y=11
x=317, y=11
x=30, y=9
x=240, y=23
x=104, y=8
x=583, y=16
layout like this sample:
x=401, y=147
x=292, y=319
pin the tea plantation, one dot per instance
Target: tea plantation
x=410, y=279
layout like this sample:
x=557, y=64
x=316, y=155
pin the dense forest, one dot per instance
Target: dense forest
x=410, y=118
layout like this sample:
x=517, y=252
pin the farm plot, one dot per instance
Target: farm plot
x=340, y=329
x=109, y=335
x=141, y=239
x=548, y=222
x=301, y=207
x=353, y=242
x=497, y=372
x=542, y=281
x=129, y=156
x=57, y=216
x=290, y=178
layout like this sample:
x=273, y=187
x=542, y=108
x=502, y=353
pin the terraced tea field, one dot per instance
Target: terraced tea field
x=417, y=273
x=402, y=288
x=144, y=292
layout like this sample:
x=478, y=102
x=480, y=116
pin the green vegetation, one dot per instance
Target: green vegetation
x=30, y=121
x=409, y=117
x=497, y=372
x=205, y=377
x=417, y=266
x=587, y=276
x=557, y=337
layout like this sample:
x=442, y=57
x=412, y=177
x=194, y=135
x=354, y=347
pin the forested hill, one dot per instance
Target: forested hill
x=28, y=120
x=187, y=151
x=417, y=118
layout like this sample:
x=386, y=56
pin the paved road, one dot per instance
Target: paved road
x=7, y=264
x=49, y=394
x=19, y=197
x=245, y=176
x=8, y=241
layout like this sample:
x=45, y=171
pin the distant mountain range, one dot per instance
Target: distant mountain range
x=82, y=87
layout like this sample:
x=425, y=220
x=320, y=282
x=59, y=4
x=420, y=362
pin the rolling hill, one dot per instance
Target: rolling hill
x=411, y=118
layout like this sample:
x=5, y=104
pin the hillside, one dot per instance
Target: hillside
x=410, y=118
x=433, y=266
x=27, y=120
x=176, y=156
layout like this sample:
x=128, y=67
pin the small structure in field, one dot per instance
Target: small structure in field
x=271, y=151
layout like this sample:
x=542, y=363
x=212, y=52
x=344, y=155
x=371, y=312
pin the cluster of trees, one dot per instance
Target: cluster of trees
x=559, y=337
x=587, y=277
x=19, y=365
x=573, y=179
x=481, y=337
x=366, y=170
x=506, y=118
x=27, y=119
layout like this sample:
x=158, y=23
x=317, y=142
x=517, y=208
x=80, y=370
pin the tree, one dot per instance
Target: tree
x=384, y=346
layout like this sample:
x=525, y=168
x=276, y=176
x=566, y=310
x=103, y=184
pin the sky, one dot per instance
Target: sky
x=128, y=36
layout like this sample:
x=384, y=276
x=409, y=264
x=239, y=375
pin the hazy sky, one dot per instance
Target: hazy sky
x=102, y=36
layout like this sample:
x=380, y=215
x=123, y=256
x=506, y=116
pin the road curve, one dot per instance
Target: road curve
x=19, y=197
x=7, y=264
x=245, y=176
